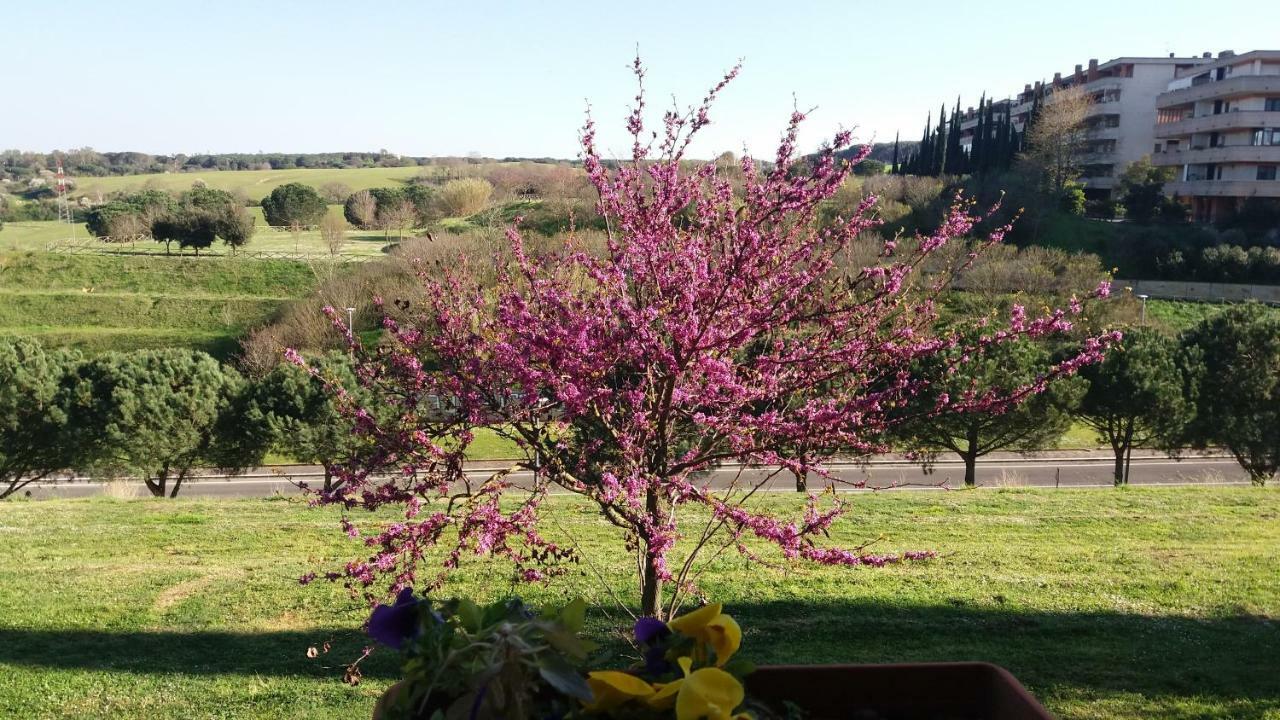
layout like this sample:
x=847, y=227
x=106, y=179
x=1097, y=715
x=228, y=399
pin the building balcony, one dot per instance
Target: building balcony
x=1220, y=154
x=1098, y=182
x=1102, y=133
x=1239, y=86
x=1225, y=121
x=1099, y=109
x=1224, y=188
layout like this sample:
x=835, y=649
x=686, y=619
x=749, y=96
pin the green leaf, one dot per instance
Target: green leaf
x=574, y=615
x=470, y=614
x=566, y=679
x=569, y=644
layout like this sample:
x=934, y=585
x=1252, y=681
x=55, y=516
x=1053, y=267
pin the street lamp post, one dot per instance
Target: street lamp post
x=1142, y=320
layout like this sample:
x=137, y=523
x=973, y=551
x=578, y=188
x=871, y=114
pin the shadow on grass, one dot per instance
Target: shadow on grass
x=1234, y=660
x=1231, y=660
x=198, y=652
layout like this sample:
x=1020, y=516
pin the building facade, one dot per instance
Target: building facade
x=1218, y=125
x=1120, y=124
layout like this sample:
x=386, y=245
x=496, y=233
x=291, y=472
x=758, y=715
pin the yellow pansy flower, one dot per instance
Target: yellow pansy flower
x=611, y=688
x=711, y=626
x=665, y=693
x=708, y=694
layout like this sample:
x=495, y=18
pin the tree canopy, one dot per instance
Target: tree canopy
x=305, y=419
x=997, y=370
x=1238, y=404
x=34, y=442
x=294, y=205
x=1143, y=393
x=153, y=414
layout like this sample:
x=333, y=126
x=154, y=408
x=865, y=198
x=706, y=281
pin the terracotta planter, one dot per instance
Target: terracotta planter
x=916, y=691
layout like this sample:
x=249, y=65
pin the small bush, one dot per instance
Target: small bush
x=460, y=198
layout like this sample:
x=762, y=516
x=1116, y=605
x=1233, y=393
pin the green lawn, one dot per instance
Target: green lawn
x=1136, y=603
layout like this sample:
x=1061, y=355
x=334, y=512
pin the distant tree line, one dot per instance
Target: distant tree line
x=86, y=162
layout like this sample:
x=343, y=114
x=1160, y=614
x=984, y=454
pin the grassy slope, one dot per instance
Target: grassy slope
x=1126, y=604
x=103, y=303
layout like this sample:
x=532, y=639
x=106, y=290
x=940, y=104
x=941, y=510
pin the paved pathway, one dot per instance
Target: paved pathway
x=1061, y=469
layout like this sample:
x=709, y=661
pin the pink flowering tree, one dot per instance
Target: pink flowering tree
x=716, y=328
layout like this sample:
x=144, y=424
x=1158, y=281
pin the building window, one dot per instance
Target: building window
x=1272, y=105
x=1266, y=172
x=1266, y=136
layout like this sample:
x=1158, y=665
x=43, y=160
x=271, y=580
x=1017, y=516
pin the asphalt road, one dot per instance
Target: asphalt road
x=1075, y=472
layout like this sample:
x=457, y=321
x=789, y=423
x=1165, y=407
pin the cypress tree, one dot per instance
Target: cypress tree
x=977, y=148
x=894, y=167
x=953, y=159
x=938, y=144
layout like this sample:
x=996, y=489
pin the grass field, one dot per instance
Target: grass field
x=101, y=303
x=36, y=237
x=1138, y=603
x=254, y=184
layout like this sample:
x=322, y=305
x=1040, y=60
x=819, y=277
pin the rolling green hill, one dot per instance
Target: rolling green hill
x=99, y=303
x=255, y=184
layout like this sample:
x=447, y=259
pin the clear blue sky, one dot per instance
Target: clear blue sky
x=513, y=78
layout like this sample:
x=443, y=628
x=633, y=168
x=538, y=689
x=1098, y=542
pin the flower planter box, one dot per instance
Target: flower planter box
x=912, y=691
x=915, y=691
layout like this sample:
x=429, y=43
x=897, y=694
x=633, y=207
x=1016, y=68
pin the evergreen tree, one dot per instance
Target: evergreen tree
x=977, y=149
x=953, y=157
x=939, y=147
x=894, y=169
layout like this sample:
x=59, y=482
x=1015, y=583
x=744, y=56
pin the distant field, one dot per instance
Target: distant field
x=255, y=184
x=99, y=303
x=36, y=236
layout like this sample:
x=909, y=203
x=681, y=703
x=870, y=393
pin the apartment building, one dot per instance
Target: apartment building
x=1218, y=124
x=1120, y=126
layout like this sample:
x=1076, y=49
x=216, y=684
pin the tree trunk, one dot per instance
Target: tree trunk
x=1120, y=470
x=650, y=582
x=970, y=456
x=970, y=470
x=802, y=481
x=157, y=486
x=177, y=485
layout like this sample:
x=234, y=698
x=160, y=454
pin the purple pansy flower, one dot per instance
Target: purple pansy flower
x=650, y=633
x=391, y=625
x=650, y=630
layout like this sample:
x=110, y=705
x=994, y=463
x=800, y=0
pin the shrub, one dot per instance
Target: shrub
x=460, y=198
x=361, y=209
